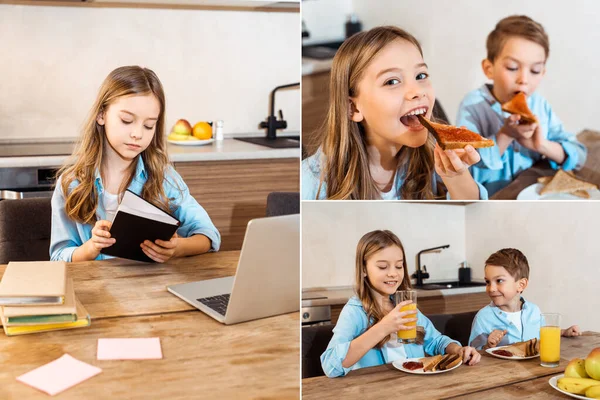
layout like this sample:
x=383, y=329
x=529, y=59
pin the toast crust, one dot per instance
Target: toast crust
x=518, y=106
x=564, y=182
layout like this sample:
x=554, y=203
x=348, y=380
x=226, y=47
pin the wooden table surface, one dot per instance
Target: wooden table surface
x=492, y=378
x=590, y=171
x=202, y=358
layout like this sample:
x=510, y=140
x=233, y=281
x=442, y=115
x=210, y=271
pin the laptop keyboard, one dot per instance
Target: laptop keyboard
x=217, y=303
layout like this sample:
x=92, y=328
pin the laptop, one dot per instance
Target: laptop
x=267, y=280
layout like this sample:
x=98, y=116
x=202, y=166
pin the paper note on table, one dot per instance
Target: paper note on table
x=59, y=375
x=129, y=349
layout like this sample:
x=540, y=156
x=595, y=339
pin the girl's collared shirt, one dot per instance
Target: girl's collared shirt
x=311, y=176
x=480, y=112
x=67, y=235
x=352, y=323
x=491, y=318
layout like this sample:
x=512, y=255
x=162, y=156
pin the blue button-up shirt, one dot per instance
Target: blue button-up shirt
x=353, y=322
x=311, y=175
x=480, y=112
x=491, y=318
x=67, y=235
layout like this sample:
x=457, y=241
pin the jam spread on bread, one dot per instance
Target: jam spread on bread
x=504, y=353
x=412, y=365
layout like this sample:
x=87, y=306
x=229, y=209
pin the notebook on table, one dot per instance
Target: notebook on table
x=33, y=283
x=137, y=220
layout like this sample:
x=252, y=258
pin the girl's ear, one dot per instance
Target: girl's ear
x=488, y=68
x=100, y=118
x=353, y=112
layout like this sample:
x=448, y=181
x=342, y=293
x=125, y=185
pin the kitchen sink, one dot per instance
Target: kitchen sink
x=321, y=51
x=449, y=285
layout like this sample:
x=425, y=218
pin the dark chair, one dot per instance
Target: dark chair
x=438, y=113
x=283, y=203
x=314, y=342
x=455, y=326
x=25, y=230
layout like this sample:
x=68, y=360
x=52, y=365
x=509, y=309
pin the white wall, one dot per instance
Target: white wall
x=453, y=35
x=325, y=19
x=331, y=230
x=560, y=241
x=213, y=64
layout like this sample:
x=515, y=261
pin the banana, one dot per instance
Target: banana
x=178, y=137
x=593, y=392
x=576, y=385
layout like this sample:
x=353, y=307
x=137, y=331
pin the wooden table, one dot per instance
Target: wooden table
x=492, y=378
x=202, y=357
x=590, y=171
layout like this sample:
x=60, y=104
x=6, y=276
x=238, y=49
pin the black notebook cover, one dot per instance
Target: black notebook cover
x=131, y=230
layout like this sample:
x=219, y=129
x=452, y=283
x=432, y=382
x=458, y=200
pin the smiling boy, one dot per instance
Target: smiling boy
x=508, y=318
x=517, y=51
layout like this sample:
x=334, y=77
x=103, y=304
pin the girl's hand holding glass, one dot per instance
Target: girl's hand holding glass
x=395, y=320
x=160, y=251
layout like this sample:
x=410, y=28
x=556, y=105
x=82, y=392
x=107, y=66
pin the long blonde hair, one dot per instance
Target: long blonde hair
x=368, y=245
x=346, y=167
x=82, y=201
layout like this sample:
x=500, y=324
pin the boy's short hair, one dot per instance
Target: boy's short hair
x=512, y=260
x=519, y=26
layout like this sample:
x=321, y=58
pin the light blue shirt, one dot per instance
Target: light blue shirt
x=480, y=112
x=491, y=317
x=352, y=323
x=311, y=175
x=67, y=234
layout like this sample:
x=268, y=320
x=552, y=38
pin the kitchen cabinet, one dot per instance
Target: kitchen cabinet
x=235, y=191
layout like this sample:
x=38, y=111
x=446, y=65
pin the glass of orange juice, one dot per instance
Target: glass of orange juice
x=550, y=340
x=409, y=336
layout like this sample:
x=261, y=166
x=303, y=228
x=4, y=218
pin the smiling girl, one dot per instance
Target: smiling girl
x=365, y=333
x=374, y=146
x=123, y=148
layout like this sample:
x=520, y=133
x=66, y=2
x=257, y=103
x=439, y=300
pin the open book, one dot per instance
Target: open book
x=137, y=220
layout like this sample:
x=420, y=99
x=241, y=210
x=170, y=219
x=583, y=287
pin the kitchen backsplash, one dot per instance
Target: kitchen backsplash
x=213, y=64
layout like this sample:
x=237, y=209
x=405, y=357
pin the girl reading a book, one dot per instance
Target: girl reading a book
x=373, y=144
x=366, y=331
x=123, y=147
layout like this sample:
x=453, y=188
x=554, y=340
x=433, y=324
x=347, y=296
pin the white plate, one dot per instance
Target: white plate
x=532, y=192
x=553, y=382
x=489, y=351
x=191, y=142
x=398, y=365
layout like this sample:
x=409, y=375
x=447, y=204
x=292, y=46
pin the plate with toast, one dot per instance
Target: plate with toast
x=564, y=185
x=517, y=351
x=429, y=365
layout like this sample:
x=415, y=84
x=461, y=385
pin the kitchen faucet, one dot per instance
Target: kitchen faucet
x=421, y=274
x=272, y=123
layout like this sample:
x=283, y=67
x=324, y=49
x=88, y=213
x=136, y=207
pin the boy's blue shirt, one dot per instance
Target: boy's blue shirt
x=491, y=317
x=67, y=235
x=352, y=323
x=311, y=175
x=480, y=112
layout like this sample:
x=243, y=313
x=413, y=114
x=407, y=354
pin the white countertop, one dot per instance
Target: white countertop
x=229, y=149
x=339, y=295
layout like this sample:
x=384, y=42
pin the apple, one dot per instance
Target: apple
x=576, y=369
x=592, y=364
x=182, y=127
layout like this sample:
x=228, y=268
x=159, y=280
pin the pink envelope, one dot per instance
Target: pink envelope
x=59, y=375
x=129, y=349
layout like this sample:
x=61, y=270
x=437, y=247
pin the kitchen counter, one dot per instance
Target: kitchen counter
x=230, y=149
x=313, y=66
x=340, y=295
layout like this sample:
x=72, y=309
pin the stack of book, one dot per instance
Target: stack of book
x=39, y=297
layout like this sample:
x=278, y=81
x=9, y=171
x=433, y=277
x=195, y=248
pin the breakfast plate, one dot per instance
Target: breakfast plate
x=191, y=142
x=532, y=192
x=490, y=351
x=399, y=364
x=553, y=382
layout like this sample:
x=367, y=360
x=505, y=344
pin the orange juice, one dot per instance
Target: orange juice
x=409, y=336
x=550, y=345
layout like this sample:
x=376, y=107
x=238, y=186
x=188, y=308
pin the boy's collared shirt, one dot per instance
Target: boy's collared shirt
x=491, y=318
x=311, y=175
x=480, y=112
x=67, y=235
x=352, y=323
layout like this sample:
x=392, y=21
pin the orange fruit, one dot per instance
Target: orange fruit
x=202, y=130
